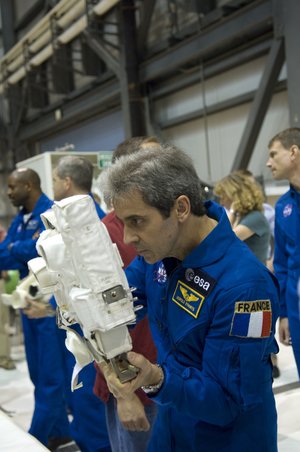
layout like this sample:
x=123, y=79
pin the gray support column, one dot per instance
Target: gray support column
x=291, y=16
x=13, y=93
x=260, y=105
x=131, y=97
x=8, y=24
x=147, y=8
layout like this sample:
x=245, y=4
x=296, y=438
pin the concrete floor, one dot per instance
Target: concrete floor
x=16, y=398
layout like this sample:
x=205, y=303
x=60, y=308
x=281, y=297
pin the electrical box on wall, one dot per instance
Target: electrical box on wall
x=44, y=163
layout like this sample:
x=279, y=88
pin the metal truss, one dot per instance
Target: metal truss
x=139, y=51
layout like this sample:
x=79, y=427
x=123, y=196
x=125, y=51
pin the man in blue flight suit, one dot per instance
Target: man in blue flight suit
x=212, y=308
x=49, y=423
x=284, y=162
x=73, y=175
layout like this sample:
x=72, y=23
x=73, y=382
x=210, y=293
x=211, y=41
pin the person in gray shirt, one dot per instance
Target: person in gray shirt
x=243, y=199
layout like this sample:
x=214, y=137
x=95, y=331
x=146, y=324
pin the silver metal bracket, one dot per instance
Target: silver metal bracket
x=123, y=369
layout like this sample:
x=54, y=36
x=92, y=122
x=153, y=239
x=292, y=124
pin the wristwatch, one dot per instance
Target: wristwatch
x=153, y=389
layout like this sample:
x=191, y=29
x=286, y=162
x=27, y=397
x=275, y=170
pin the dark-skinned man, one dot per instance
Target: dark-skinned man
x=49, y=423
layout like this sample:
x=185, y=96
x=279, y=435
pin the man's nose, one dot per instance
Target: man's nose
x=129, y=237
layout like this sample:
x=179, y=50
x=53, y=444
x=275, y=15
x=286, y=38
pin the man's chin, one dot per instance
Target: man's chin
x=277, y=176
x=149, y=258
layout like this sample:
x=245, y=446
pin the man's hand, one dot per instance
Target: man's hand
x=284, y=331
x=37, y=309
x=132, y=414
x=148, y=374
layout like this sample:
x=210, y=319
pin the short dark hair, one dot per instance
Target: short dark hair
x=78, y=169
x=26, y=175
x=161, y=174
x=132, y=145
x=287, y=137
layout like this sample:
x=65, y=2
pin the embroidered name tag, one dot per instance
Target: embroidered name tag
x=252, y=319
x=187, y=298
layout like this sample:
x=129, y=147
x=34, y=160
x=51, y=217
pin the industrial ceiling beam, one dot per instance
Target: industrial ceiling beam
x=147, y=9
x=46, y=123
x=74, y=111
x=8, y=18
x=241, y=26
x=102, y=52
x=260, y=105
x=37, y=7
x=291, y=10
x=211, y=69
x=133, y=112
x=216, y=108
x=211, y=44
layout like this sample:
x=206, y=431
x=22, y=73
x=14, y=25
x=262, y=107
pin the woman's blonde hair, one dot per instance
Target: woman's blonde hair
x=242, y=189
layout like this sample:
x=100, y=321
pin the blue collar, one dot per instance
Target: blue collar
x=216, y=244
x=41, y=205
x=294, y=193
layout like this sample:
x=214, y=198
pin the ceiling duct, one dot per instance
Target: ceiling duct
x=36, y=47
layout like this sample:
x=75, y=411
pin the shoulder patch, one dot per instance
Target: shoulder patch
x=160, y=274
x=252, y=319
x=32, y=224
x=187, y=298
x=199, y=281
x=287, y=210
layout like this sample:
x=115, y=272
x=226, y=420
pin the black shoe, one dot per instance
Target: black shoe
x=58, y=443
x=275, y=372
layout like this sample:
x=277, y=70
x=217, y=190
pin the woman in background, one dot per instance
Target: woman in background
x=243, y=200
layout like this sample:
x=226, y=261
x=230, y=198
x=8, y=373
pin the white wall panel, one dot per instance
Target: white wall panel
x=213, y=142
x=224, y=132
x=277, y=119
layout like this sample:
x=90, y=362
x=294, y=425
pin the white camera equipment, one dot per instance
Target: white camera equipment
x=81, y=266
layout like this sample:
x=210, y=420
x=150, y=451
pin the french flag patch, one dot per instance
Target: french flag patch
x=252, y=319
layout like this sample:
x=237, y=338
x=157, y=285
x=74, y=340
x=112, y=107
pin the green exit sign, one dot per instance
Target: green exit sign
x=104, y=159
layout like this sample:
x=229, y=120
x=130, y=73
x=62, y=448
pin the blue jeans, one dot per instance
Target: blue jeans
x=122, y=440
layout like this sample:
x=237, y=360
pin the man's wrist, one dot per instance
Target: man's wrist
x=155, y=387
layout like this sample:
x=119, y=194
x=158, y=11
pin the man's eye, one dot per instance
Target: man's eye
x=137, y=221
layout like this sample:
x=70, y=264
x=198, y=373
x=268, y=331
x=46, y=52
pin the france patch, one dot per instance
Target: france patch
x=252, y=319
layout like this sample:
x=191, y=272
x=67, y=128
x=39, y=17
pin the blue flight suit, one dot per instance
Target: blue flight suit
x=212, y=317
x=88, y=427
x=287, y=262
x=100, y=211
x=40, y=335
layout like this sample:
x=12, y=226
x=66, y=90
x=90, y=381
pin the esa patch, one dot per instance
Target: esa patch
x=187, y=298
x=252, y=319
x=199, y=280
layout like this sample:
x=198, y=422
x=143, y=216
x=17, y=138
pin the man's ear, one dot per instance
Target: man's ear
x=28, y=186
x=295, y=151
x=67, y=182
x=182, y=207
